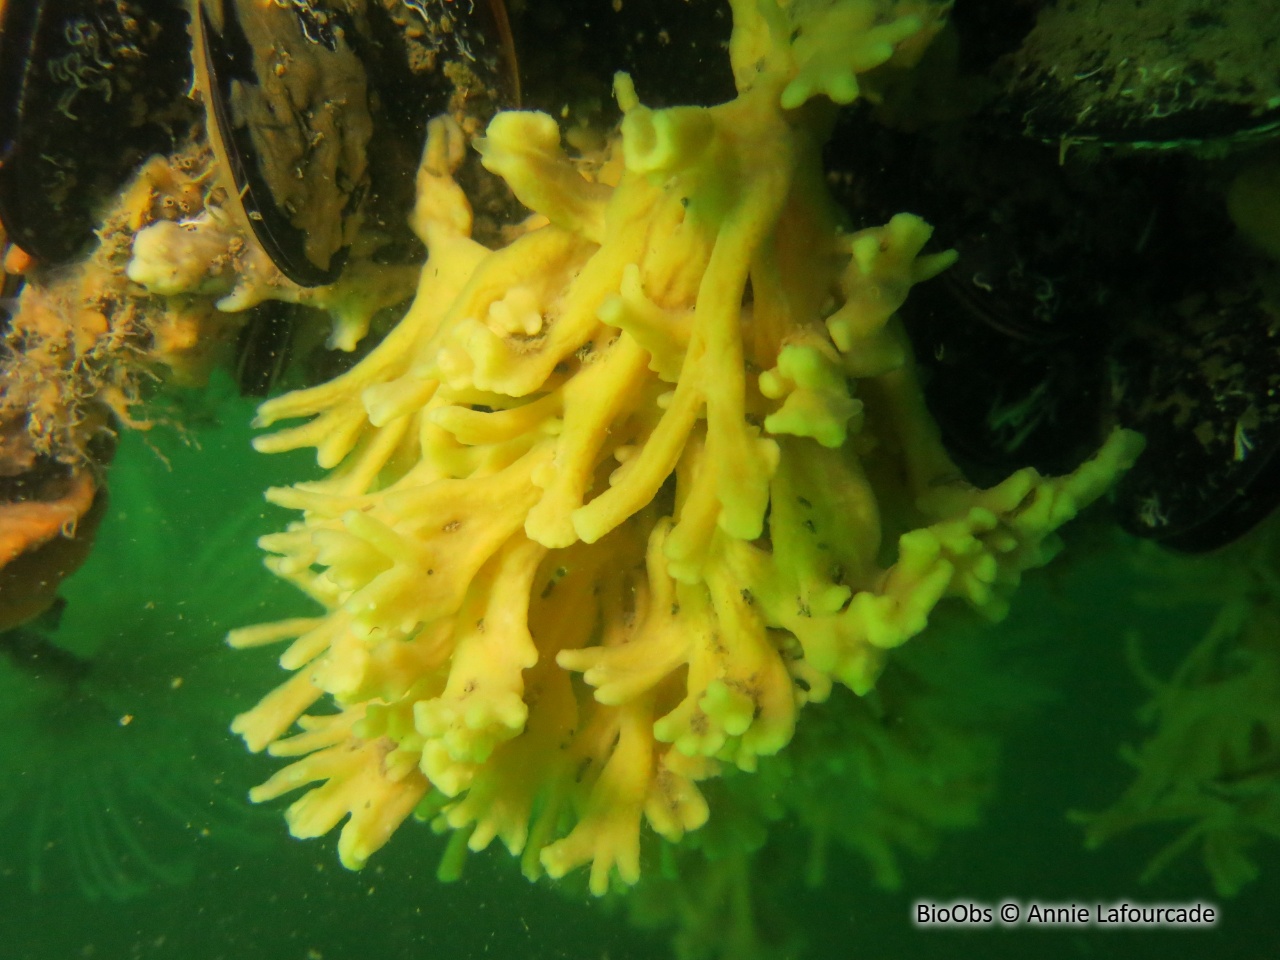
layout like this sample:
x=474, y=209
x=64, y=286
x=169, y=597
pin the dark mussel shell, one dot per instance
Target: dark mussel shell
x=1151, y=74
x=426, y=57
x=1096, y=285
x=49, y=513
x=1011, y=340
x=318, y=110
x=288, y=117
x=1203, y=386
x=88, y=88
x=673, y=50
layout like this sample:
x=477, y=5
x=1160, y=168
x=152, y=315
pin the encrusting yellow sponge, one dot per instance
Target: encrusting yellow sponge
x=614, y=501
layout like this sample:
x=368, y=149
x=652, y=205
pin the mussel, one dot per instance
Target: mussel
x=317, y=110
x=672, y=49
x=88, y=89
x=1203, y=385
x=1156, y=75
x=1099, y=281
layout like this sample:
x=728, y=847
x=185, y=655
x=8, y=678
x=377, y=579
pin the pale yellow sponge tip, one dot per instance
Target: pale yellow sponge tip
x=815, y=395
x=834, y=45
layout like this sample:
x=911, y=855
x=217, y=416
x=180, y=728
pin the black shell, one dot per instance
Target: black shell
x=318, y=110
x=288, y=117
x=88, y=88
x=1155, y=74
x=1097, y=284
x=1203, y=386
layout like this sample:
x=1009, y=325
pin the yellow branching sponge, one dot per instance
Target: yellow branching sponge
x=614, y=501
